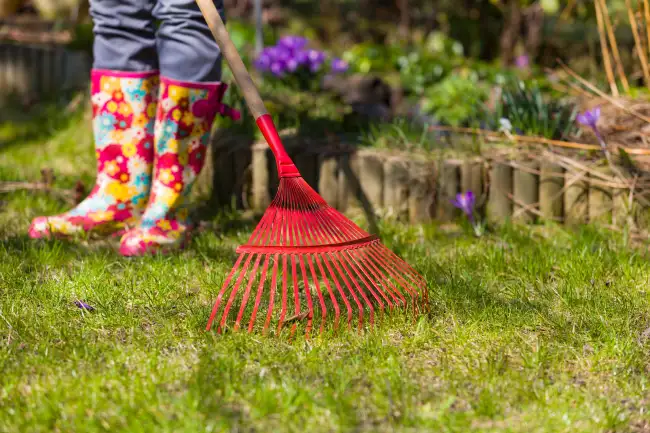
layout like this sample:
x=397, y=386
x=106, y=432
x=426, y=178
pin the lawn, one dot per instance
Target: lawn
x=530, y=330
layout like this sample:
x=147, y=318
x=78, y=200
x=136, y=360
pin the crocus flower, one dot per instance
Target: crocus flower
x=84, y=306
x=293, y=43
x=277, y=69
x=291, y=54
x=465, y=202
x=590, y=119
x=339, y=66
x=522, y=62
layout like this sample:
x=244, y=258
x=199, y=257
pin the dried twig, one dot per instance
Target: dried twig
x=637, y=42
x=603, y=46
x=534, y=140
x=646, y=14
x=614, y=45
x=599, y=92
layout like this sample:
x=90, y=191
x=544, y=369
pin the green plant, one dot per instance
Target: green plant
x=368, y=57
x=419, y=71
x=531, y=112
x=457, y=99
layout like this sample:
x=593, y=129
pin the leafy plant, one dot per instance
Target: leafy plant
x=530, y=112
x=457, y=99
x=368, y=57
x=419, y=71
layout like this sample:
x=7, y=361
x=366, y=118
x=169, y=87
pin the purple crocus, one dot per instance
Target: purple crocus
x=590, y=118
x=522, y=62
x=290, y=55
x=278, y=68
x=339, y=66
x=292, y=43
x=316, y=59
x=84, y=306
x=465, y=202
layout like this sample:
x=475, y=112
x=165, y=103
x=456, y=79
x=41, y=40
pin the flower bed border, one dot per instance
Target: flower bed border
x=509, y=184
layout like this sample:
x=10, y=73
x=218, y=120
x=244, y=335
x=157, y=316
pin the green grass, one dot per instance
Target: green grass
x=531, y=330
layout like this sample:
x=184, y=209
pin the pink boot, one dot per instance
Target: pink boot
x=183, y=125
x=124, y=107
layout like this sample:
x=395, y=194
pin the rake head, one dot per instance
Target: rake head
x=307, y=264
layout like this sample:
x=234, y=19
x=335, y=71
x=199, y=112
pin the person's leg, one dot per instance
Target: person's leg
x=190, y=98
x=187, y=50
x=124, y=92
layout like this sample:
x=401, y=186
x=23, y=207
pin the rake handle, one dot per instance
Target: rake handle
x=286, y=167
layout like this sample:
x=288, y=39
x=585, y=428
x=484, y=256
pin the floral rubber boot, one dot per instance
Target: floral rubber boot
x=183, y=127
x=124, y=106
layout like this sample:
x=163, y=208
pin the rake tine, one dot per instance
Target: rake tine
x=224, y=286
x=382, y=263
x=349, y=287
x=260, y=290
x=320, y=295
x=363, y=293
x=393, y=258
x=296, y=293
x=390, y=261
x=403, y=284
x=338, y=287
x=392, y=290
x=234, y=291
x=337, y=311
x=274, y=284
x=310, y=306
x=368, y=281
x=283, y=312
x=247, y=292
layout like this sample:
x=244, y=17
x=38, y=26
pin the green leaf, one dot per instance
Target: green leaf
x=551, y=7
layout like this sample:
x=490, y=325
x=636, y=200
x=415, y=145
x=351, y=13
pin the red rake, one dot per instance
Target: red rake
x=303, y=248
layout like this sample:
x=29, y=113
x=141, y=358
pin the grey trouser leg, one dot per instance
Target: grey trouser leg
x=182, y=47
x=125, y=35
x=186, y=47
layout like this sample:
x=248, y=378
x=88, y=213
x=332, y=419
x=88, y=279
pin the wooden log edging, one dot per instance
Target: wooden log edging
x=34, y=70
x=418, y=189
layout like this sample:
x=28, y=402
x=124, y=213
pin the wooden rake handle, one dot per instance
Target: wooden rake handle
x=286, y=167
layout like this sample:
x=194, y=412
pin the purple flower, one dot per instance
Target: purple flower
x=292, y=64
x=465, y=202
x=263, y=62
x=315, y=60
x=522, y=61
x=339, y=66
x=590, y=118
x=292, y=43
x=315, y=56
x=278, y=69
x=83, y=306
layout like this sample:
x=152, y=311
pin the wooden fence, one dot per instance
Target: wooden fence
x=36, y=70
x=418, y=188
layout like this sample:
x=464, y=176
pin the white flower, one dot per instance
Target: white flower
x=505, y=125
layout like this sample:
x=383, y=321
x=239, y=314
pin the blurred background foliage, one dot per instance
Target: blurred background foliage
x=457, y=63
